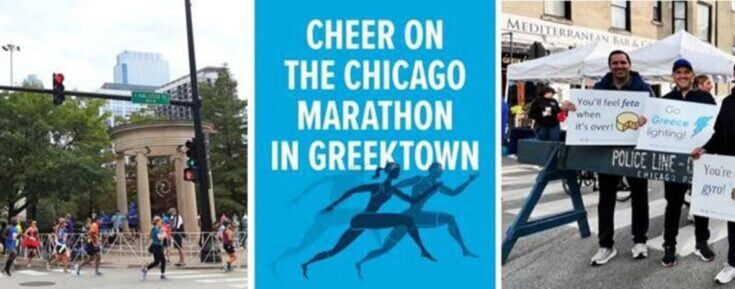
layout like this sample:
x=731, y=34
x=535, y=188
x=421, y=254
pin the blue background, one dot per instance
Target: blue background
x=469, y=34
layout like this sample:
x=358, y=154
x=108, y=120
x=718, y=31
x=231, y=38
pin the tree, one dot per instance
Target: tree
x=53, y=153
x=227, y=146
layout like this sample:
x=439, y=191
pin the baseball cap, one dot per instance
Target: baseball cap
x=682, y=63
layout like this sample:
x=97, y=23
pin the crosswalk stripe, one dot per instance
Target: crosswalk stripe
x=225, y=280
x=519, y=169
x=623, y=218
x=169, y=273
x=718, y=231
x=238, y=285
x=31, y=273
x=518, y=194
x=558, y=206
x=199, y=276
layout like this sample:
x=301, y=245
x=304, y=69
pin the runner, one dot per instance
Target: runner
x=61, y=252
x=156, y=248
x=229, y=245
x=31, y=241
x=92, y=247
x=10, y=234
x=166, y=227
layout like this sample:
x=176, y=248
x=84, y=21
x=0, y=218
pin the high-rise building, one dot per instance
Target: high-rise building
x=119, y=108
x=180, y=89
x=141, y=68
x=33, y=81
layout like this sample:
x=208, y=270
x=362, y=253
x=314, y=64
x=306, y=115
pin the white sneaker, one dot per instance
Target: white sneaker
x=603, y=255
x=726, y=274
x=639, y=251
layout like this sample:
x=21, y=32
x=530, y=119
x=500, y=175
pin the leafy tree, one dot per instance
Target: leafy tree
x=227, y=146
x=53, y=154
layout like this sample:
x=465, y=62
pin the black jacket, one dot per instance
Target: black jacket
x=723, y=140
x=548, y=105
x=636, y=83
x=698, y=96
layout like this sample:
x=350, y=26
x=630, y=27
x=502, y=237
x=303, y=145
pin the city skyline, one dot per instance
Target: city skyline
x=53, y=37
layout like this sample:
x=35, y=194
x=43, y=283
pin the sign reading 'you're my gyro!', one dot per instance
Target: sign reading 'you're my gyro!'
x=605, y=117
x=676, y=126
x=713, y=187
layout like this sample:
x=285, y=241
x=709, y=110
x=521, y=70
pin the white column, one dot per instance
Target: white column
x=144, y=195
x=178, y=159
x=191, y=223
x=211, y=198
x=122, y=192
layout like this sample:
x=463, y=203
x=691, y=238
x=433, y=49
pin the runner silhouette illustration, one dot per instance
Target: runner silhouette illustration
x=423, y=219
x=380, y=193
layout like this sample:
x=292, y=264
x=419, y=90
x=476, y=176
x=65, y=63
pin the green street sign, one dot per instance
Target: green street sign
x=151, y=98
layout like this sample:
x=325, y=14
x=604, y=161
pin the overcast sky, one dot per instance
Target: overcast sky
x=81, y=38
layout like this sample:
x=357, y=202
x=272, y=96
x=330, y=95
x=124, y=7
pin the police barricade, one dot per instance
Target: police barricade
x=561, y=162
x=131, y=249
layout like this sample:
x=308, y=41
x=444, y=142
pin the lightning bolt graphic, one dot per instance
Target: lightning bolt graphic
x=700, y=124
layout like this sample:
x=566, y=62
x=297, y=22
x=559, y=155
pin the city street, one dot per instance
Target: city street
x=125, y=278
x=559, y=258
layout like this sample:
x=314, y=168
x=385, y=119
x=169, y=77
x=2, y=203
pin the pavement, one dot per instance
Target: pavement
x=125, y=278
x=559, y=257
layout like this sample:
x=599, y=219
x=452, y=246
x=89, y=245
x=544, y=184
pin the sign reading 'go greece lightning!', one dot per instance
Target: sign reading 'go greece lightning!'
x=676, y=126
x=375, y=155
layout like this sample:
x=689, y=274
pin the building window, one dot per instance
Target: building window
x=680, y=16
x=620, y=14
x=657, y=11
x=704, y=20
x=558, y=8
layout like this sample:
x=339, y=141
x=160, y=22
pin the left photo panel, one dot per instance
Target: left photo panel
x=123, y=143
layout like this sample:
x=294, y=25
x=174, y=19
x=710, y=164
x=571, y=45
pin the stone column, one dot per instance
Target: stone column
x=178, y=159
x=211, y=199
x=191, y=223
x=144, y=195
x=122, y=192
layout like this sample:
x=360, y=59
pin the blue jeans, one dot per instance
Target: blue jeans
x=548, y=133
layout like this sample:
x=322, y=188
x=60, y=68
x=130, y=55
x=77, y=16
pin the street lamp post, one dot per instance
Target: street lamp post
x=11, y=47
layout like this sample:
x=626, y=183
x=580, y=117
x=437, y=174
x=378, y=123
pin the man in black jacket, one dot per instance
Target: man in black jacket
x=620, y=77
x=683, y=75
x=723, y=142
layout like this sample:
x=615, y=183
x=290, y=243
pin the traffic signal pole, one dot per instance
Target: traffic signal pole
x=202, y=165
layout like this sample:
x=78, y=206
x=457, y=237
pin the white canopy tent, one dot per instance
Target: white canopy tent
x=565, y=67
x=654, y=61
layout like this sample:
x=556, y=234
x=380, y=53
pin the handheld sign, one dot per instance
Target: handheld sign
x=676, y=126
x=713, y=193
x=604, y=117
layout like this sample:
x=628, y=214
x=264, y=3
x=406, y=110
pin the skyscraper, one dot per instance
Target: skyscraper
x=141, y=68
x=180, y=89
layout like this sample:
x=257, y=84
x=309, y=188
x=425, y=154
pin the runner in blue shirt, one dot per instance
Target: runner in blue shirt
x=10, y=235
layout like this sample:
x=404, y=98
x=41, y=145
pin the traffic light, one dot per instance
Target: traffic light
x=58, y=81
x=191, y=162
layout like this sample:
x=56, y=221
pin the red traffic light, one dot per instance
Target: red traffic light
x=189, y=175
x=58, y=78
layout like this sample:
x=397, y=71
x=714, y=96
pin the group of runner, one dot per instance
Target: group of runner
x=164, y=233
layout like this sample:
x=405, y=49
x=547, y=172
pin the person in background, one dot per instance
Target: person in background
x=228, y=243
x=178, y=234
x=3, y=225
x=721, y=142
x=703, y=83
x=544, y=111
